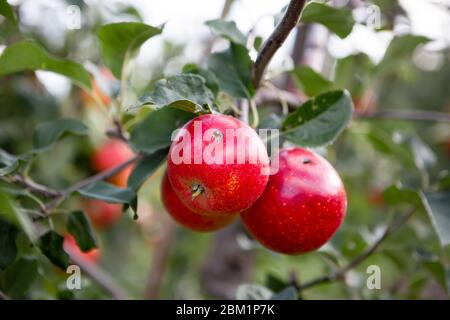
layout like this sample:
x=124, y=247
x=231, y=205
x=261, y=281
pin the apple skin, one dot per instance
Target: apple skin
x=227, y=188
x=71, y=247
x=186, y=217
x=111, y=154
x=302, y=207
x=102, y=213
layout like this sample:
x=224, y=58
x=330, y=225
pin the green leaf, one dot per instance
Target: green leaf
x=253, y=292
x=121, y=42
x=17, y=217
x=337, y=20
x=108, y=192
x=437, y=205
x=28, y=55
x=8, y=247
x=48, y=133
x=20, y=276
x=395, y=195
x=227, y=30
x=52, y=247
x=8, y=163
x=434, y=266
x=232, y=69
x=185, y=92
x=210, y=78
x=353, y=73
x=400, y=48
x=79, y=226
x=7, y=11
x=319, y=120
x=155, y=131
x=289, y=293
x=274, y=283
x=311, y=82
x=145, y=167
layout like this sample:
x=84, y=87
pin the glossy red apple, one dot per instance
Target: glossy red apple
x=302, y=207
x=111, y=154
x=217, y=165
x=71, y=247
x=186, y=217
x=101, y=213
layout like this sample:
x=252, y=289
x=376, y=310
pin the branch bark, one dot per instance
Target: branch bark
x=340, y=274
x=276, y=39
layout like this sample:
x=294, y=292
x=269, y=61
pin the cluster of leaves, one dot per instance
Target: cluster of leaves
x=198, y=89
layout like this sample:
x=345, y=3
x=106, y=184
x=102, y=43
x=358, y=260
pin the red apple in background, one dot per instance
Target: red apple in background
x=101, y=213
x=302, y=207
x=186, y=217
x=214, y=182
x=71, y=247
x=111, y=154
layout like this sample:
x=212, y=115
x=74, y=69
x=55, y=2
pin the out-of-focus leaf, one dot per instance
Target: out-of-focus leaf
x=20, y=276
x=145, y=167
x=437, y=205
x=28, y=55
x=274, y=283
x=435, y=267
x=337, y=20
x=353, y=73
x=108, y=192
x=444, y=181
x=311, y=82
x=232, y=69
x=8, y=163
x=395, y=195
x=320, y=120
x=186, y=91
x=17, y=216
x=210, y=79
x=51, y=245
x=400, y=48
x=253, y=292
x=7, y=11
x=155, y=131
x=121, y=42
x=289, y=293
x=48, y=133
x=228, y=30
x=423, y=156
x=8, y=247
x=79, y=226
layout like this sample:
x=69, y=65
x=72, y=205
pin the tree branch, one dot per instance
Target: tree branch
x=33, y=186
x=340, y=274
x=276, y=39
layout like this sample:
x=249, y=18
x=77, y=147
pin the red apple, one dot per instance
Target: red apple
x=302, y=207
x=101, y=213
x=71, y=247
x=111, y=154
x=217, y=165
x=186, y=217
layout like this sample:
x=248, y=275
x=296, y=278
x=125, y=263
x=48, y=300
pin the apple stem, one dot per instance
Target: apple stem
x=197, y=190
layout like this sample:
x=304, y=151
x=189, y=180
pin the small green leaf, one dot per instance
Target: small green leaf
x=400, y=48
x=319, y=120
x=311, y=82
x=19, y=277
x=395, y=195
x=79, y=226
x=122, y=41
x=210, y=79
x=232, y=69
x=51, y=245
x=155, y=131
x=274, y=283
x=253, y=292
x=145, y=167
x=108, y=192
x=353, y=73
x=186, y=92
x=337, y=20
x=8, y=163
x=437, y=205
x=48, y=133
x=8, y=247
x=28, y=55
x=227, y=30
x=7, y=11
x=289, y=293
x=16, y=216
